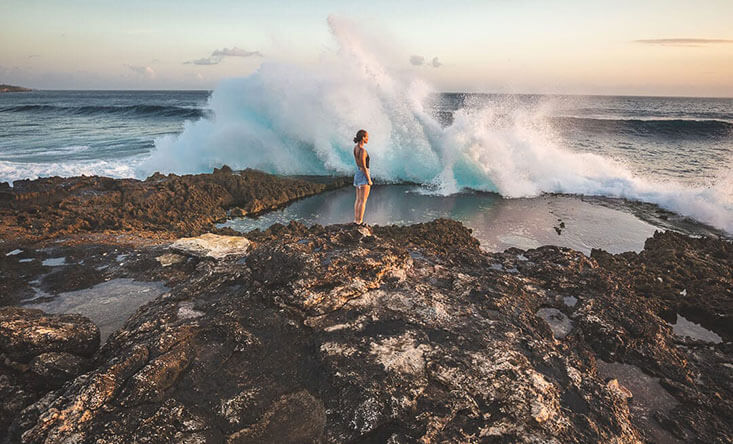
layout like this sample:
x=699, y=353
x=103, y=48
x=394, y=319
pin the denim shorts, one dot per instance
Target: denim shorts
x=360, y=179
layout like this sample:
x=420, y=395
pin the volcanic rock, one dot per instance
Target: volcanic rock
x=687, y=275
x=25, y=333
x=169, y=206
x=57, y=367
x=400, y=334
x=38, y=353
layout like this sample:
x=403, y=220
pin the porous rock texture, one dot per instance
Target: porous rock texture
x=189, y=205
x=39, y=352
x=687, y=275
x=25, y=333
x=399, y=334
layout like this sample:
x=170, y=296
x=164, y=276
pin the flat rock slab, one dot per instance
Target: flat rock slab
x=211, y=245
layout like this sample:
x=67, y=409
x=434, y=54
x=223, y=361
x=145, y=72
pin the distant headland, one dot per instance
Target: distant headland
x=11, y=88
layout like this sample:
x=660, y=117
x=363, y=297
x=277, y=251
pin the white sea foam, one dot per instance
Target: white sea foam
x=12, y=171
x=290, y=119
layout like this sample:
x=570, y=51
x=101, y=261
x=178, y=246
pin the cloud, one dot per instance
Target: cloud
x=235, y=52
x=204, y=61
x=682, y=42
x=144, y=71
x=420, y=61
x=217, y=56
x=417, y=60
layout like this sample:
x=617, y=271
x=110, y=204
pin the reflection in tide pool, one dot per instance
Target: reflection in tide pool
x=108, y=304
x=497, y=223
x=685, y=328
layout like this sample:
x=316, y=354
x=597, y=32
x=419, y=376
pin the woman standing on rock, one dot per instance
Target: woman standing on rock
x=362, y=179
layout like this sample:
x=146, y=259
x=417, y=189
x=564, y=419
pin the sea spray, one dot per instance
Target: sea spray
x=287, y=119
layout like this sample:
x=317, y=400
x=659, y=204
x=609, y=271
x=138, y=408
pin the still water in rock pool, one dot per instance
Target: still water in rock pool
x=108, y=304
x=498, y=223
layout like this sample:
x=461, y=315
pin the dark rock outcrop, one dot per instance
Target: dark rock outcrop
x=39, y=352
x=401, y=334
x=687, y=275
x=11, y=88
x=161, y=205
x=26, y=333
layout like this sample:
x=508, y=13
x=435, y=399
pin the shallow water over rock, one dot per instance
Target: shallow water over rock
x=684, y=328
x=54, y=261
x=563, y=220
x=648, y=397
x=108, y=304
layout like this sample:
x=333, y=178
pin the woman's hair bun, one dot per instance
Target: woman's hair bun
x=359, y=135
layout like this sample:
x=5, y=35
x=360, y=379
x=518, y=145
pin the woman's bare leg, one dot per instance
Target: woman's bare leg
x=357, y=205
x=365, y=195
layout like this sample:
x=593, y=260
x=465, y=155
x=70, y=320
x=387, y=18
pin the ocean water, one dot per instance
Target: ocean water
x=67, y=133
x=680, y=147
x=676, y=153
x=42, y=133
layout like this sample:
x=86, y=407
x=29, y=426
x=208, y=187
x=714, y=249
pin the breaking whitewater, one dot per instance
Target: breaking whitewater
x=291, y=119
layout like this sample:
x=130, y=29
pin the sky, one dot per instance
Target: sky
x=665, y=48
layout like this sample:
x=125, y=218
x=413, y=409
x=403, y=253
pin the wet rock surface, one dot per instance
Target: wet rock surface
x=25, y=333
x=39, y=352
x=686, y=275
x=111, y=216
x=391, y=334
x=34, y=210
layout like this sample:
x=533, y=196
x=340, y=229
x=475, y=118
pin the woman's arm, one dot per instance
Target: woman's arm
x=364, y=169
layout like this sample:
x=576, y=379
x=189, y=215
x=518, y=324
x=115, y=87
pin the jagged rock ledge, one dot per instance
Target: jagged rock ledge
x=158, y=207
x=38, y=353
x=406, y=334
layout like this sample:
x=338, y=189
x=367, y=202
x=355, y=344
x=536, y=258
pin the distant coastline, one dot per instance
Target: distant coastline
x=11, y=88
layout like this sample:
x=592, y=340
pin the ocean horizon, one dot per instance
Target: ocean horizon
x=673, y=152
x=506, y=93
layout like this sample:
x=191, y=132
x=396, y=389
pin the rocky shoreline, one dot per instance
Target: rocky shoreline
x=344, y=333
x=158, y=207
x=12, y=88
